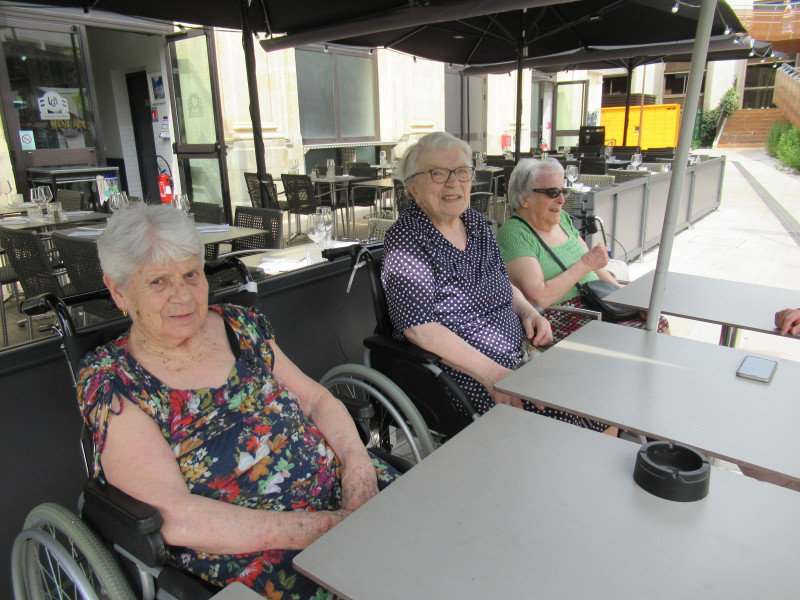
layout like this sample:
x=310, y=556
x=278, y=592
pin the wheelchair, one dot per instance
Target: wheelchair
x=419, y=384
x=114, y=549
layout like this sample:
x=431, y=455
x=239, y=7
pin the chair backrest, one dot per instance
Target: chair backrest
x=70, y=199
x=299, y=192
x=592, y=135
x=27, y=255
x=401, y=197
x=482, y=176
x=625, y=152
x=80, y=259
x=270, y=220
x=254, y=190
x=377, y=228
x=322, y=170
x=601, y=181
x=651, y=154
x=359, y=164
x=591, y=165
x=480, y=201
x=654, y=167
x=365, y=172
x=207, y=212
x=622, y=175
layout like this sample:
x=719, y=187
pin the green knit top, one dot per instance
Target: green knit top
x=516, y=240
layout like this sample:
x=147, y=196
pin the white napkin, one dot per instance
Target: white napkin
x=273, y=266
x=86, y=232
x=213, y=228
x=78, y=213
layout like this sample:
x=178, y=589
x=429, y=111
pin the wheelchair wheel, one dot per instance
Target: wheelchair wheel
x=57, y=557
x=384, y=415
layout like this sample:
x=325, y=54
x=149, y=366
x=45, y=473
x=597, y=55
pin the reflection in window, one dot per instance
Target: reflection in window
x=48, y=87
x=336, y=94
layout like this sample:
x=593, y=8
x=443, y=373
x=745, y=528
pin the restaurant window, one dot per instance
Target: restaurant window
x=759, y=86
x=48, y=88
x=615, y=85
x=336, y=91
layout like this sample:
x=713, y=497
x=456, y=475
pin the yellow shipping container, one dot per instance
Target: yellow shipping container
x=660, y=125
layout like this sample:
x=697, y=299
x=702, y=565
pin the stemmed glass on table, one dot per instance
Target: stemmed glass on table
x=636, y=160
x=117, y=200
x=331, y=172
x=5, y=191
x=181, y=202
x=316, y=232
x=325, y=221
x=571, y=172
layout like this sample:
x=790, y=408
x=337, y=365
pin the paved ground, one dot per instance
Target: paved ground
x=754, y=237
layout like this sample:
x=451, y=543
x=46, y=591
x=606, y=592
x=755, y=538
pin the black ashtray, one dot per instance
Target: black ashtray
x=672, y=471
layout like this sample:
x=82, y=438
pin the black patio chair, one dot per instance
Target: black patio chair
x=269, y=220
x=593, y=165
x=70, y=200
x=208, y=212
x=402, y=198
x=7, y=277
x=300, y=197
x=33, y=264
x=254, y=191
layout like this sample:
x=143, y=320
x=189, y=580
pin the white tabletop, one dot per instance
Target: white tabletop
x=727, y=303
x=670, y=388
x=521, y=506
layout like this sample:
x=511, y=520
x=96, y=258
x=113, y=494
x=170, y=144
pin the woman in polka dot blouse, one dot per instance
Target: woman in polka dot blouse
x=446, y=285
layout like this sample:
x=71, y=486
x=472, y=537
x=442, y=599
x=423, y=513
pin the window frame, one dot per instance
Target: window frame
x=335, y=51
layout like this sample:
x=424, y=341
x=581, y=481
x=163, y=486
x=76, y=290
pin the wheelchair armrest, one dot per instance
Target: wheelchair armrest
x=39, y=305
x=402, y=348
x=125, y=521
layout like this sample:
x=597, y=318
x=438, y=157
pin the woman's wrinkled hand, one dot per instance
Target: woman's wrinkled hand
x=537, y=329
x=358, y=485
x=788, y=321
x=596, y=258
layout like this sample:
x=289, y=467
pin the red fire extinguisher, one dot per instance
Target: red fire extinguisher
x=165, y=182
x=165, y=187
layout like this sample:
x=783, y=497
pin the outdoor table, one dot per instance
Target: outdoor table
x=16, y=209
x=209, y=234
x=283, y=260
x=670, y=388
x=385, y=170
x=731, y=304
x=522, y=506
x=617, y=163
x=380, y=185
x=48, y=222
x=55, y=176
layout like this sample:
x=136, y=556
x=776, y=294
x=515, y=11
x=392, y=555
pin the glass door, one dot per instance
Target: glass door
x=199, y=145
x=570, y=112
x=47, y=106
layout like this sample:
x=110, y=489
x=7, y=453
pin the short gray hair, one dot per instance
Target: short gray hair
x=433, y=142
x=147, y=233
x=526, y=173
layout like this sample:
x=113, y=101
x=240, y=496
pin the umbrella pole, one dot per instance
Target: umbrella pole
x=696, y=70
x=252, y=90
x=519, y=104
x=627, y=106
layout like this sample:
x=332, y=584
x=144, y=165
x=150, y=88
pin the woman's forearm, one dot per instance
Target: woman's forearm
x=217, y=527
x=456, y=353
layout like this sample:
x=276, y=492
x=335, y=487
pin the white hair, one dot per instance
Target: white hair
x=147, y=233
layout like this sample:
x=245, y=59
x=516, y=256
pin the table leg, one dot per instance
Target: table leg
x=729, y=336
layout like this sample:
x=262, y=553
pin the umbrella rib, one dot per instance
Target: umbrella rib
x=566, y=26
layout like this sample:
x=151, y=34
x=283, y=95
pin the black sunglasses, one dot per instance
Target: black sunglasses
x=551, y=192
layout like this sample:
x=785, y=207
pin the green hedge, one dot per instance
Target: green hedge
x=789, y=149
x=709, y=119
x=774, y=136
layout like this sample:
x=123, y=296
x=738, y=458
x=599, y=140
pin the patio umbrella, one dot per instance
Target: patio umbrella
x=728, y=47
x=514, y=36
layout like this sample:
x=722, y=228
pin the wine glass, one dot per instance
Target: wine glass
x=47, y=194
x=607, y=152
x=115, y=202
x=181, y=202
x=636, y=160
x=5, y=191
x=331, y=163
x=572, y=174
x=383, y=158
x=36, y=195
x=325, y=222
x=316, y=233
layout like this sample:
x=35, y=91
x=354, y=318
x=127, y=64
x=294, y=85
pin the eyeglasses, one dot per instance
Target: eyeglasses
x=463, y=174
x=551, y=192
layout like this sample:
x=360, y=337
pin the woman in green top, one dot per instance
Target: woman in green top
x=535, y=191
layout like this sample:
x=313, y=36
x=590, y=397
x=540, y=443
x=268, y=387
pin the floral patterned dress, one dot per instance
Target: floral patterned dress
x=247, y=443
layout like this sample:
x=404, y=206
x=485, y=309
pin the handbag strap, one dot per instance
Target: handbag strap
x=546, y=247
